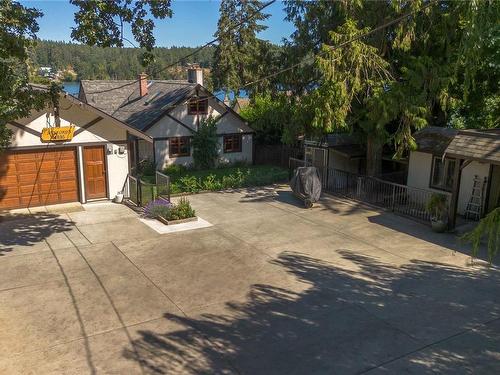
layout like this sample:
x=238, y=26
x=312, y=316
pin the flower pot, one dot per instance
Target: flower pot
x=439, y=225
x=118, y=198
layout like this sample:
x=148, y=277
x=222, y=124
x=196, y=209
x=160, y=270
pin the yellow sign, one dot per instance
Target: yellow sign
x=57, y=134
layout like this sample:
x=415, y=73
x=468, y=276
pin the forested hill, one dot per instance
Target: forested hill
x=112, y=63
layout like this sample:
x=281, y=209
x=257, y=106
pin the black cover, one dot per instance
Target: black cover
x=306, y=184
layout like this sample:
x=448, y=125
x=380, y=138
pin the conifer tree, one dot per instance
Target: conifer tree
x=238, y=49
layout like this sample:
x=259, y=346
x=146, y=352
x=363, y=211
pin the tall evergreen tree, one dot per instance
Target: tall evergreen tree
x=428, y=61
x=238, y=48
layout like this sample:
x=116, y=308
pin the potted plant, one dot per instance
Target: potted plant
x=437, y=207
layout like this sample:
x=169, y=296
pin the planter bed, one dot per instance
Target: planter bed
x=173, y=222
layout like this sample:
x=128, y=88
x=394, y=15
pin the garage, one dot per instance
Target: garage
x=80, y=155
x=31, y=178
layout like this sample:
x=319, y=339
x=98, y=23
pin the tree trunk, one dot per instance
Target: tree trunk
x=373, y=156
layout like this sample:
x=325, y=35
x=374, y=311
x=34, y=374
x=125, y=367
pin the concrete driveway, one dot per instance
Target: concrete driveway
x=271, y=288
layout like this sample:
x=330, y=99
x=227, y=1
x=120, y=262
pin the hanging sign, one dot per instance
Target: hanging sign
x=58, y=134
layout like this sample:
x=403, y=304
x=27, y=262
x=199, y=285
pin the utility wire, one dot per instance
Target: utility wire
x=232, y=28
x=340, y=45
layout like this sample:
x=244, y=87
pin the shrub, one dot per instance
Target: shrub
x=189, y=184
x=205, y=144
x=146, y=168
x=158, y=207
x=181, y=210
x=175, y=170
x=211, y=183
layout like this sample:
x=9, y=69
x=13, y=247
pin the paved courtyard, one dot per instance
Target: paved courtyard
x=270, y=288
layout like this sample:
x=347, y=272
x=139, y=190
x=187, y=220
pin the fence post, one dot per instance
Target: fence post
x=393, y=197
x=139, y=192
x=358, y=187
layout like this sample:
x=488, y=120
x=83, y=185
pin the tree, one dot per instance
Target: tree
x=101, y=22
x=205, y=144
x=18, y=27
x=238, y=48
x=415, y=72
x=489, y=226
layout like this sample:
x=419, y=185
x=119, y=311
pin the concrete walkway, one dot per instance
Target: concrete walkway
x=271, y=288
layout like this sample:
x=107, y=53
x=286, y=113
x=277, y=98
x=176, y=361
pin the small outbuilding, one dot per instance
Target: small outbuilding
x=451, y=160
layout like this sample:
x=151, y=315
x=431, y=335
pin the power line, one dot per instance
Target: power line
x=235, y=27
x=340, y=45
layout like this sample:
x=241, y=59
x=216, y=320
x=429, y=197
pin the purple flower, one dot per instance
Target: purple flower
x=157, y=207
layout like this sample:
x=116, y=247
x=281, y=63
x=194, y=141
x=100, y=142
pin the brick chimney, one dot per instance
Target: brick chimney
x=195, y=74
x=143, y=84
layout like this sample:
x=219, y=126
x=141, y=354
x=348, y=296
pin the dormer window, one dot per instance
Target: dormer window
x=198, y=106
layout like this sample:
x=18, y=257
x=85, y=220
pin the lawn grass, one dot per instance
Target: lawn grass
x=193, y=181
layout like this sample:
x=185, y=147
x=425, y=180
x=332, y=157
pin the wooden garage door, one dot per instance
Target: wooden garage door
x=38, y=178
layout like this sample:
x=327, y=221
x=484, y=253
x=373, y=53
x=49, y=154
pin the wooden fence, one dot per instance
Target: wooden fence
x=276, y=154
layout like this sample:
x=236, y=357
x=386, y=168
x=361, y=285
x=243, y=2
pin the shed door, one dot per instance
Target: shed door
x=95, y=172
x=38, y=178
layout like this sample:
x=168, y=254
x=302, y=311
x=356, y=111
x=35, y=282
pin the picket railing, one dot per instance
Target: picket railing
x=399, y=198
x=402, y=199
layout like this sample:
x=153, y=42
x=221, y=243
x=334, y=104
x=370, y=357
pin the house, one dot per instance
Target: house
x=81, y=156
x=170, y=112
x=448, y=160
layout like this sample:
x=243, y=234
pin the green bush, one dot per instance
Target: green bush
x=181, y=210
x=211, y=183
x=175, y=170
x=146, y=168
x=205, y=144
x=194, y=181
x=189, y=184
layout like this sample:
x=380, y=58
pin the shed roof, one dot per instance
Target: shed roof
x=434, y=139
x=479, y=145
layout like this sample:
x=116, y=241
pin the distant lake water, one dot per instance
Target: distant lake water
x=73, y=88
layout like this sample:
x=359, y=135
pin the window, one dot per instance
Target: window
x=179, y=146
x=232, y=143
x=198, y=106
x=442, y=173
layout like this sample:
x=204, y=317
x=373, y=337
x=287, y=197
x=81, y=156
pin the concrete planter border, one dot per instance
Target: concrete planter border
x=173, y=222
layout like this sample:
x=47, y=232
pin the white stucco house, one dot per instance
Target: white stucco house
x=448, y=160
x=84, y=157
x=170, y=112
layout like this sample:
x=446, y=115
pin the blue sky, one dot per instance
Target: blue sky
x=193, y=22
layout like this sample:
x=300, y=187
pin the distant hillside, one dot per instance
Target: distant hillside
x=112, y=63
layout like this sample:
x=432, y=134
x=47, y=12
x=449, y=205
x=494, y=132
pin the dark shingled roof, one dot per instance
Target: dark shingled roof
x=476, y=145
x=434, y=139
x=121, y=99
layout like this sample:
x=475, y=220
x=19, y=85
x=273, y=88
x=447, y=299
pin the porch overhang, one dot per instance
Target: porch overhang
x=481, y=146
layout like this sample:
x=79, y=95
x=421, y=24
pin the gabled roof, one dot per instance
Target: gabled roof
x=121, y=99
x=479, y=145
x=98, y=111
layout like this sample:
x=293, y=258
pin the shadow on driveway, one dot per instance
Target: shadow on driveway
x=29, y=230
x=349, y=321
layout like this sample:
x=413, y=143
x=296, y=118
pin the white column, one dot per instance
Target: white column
x=81, y=177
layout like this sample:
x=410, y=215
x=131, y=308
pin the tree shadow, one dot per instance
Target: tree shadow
x=30, y=229
x=354, y=316
x=423, y=232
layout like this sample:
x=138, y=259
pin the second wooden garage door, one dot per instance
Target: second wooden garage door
x=38, y=178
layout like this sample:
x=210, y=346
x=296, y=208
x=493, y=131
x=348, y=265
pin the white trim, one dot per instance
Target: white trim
x=81, y=177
